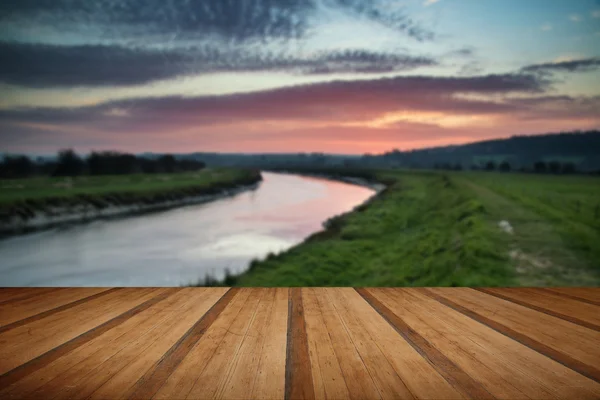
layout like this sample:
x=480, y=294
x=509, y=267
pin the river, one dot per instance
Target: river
x=179, y=246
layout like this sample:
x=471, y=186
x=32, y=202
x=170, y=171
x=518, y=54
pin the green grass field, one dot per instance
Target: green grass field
x=25, y=197
x=15, y=190
x=441, y=229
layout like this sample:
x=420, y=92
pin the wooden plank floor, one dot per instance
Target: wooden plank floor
x=313, y=343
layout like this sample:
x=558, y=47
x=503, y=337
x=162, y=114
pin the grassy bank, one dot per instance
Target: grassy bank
x=441, y=229
x=23, y=198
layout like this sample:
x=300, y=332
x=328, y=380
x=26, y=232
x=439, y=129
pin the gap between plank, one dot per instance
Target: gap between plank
x=298, y=374
x=569, y=296
x=58, y=309
x=544, y=310
x=558, y=356
x=16, y=374
x=453, y=374
x=151, y=382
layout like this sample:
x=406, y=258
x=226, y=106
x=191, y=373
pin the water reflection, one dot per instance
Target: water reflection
x=179, y=246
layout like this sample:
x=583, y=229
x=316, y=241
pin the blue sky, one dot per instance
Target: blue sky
x=64, y=58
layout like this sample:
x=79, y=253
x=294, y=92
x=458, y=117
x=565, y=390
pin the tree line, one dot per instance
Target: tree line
x=539, y=167
x=69, y=163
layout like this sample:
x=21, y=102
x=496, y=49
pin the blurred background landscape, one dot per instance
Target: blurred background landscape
x=300, y=143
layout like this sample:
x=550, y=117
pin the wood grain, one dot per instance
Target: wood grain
x=20, y=315
x=33, y=364
x=460, y=380
x=516, y=332
x=299, y=343
x=571, y=294
x=154, y=378
x=587, y=315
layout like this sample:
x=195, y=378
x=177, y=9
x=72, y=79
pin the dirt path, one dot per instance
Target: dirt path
x=537, y=252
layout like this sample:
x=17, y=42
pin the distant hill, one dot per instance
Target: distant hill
x=579, y=148
x=271, y=160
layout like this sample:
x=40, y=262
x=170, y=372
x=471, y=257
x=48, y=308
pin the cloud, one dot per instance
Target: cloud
x=238, y=21
x=579, y=65
x=575, y=17
x=38, y=65
x=546, y=27
x=429, y=2
x=337, y=100
x=352, y=115
x=595, y=14
x=380, y=12
x=45, y=65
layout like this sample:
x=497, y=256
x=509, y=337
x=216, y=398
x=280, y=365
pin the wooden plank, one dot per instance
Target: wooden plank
x=590, y=294
x=213, y=377
x=69, y=367
x=586, y=314
x=151, y=347
x=460, y=380
x=91, y=371
x=15, y=368
x=32, y=304
x=571, y=294
x=181, y=381
x=240, y=378
x=13, y=295
x=389, y=384
x=464, y=341
x=298, y=376
x=328, y=380
x=156, y=376
x=270, y=377
x=358, y=380
x=537, y=371
x=571, y=345
x=180, y=316
x=419, y=376
x=104, y=346
x=40, y=336
x=19, y=316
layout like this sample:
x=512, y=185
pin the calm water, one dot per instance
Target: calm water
x=179, y=246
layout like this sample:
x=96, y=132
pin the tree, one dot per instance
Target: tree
x=539, y=167
x=167, y=163
x=569, y=168
x=69, y=164
x=16, y=167
x=112, y=163
x=490, y=166
x=554, y=167
x=504, y=166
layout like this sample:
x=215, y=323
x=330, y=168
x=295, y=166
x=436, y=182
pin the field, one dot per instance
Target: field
x=443, y=229
x=40, y=188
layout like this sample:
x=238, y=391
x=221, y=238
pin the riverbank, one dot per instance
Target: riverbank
x=41, y=203
x=449, y=229
x=359, y=181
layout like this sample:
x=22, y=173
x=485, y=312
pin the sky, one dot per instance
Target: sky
x=334, y=76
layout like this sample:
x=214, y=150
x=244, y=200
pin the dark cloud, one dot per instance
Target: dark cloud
x=138, y=41
x=37, y=65
x=236, y=20
x=379, y=11
x=232, y=19
x=363, y=61
x=581, y=65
